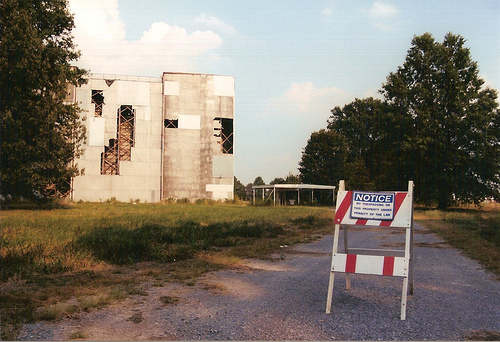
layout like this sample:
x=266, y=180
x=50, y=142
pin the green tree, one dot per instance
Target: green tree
x=41, y=135
x=292, y=179
x=277, y=180
x=371, y=133
x=324, y=158
x=239, y=190
x=259, y=181
x=451, y=121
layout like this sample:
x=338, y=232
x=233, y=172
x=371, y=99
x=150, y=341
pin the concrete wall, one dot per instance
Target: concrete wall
x=194, y=164
x=139, y=178
x=186, y=161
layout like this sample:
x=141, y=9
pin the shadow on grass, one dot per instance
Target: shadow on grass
x=153, y=242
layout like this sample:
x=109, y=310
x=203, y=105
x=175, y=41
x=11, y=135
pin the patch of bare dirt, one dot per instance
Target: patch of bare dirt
x=482, y=335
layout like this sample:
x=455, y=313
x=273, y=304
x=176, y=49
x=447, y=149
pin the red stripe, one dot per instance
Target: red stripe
x=361, y=222
x=344, y=206
x=400, y=197
x=388, y=269
x=350, y=264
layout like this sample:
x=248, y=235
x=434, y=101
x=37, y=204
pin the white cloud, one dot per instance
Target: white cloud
x=327, y=11
x=305, y=98
x=379, y=10
x=382, y=15
x=100, y=35
x=215, y=23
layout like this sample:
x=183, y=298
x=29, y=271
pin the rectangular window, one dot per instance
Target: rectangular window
x=171, y=123
x=121, y=147
x=224, y=132
x=98, y=101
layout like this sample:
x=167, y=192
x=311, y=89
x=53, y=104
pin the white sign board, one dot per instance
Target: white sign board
x=372, y=205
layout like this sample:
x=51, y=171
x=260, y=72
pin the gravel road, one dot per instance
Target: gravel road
x=454, y=299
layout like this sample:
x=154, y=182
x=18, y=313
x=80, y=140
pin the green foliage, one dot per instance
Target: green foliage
x=169, y=243
x=239, y=190
x=438, y=126
x=293, y=179
x=62, y=240
x=41, y=135
x=451, y=145
x=324, y=158
x=475, y=232
x=258, y=192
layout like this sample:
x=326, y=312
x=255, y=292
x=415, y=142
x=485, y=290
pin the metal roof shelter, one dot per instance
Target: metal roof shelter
x=280, y=190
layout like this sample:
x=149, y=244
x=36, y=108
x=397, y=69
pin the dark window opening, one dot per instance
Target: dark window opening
x=225, y=134
x=121, y=147
x=171, y=123
x=109, y=159
x=126, y=116
x=98, y=100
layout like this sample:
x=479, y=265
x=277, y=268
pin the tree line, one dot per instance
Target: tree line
x=437, y=124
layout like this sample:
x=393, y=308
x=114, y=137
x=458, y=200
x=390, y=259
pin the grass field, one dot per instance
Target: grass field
x=61, y=262
x=475, y=232
x=100, y=253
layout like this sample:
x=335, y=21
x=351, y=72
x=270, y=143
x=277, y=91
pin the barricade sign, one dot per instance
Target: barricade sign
x=379, y=209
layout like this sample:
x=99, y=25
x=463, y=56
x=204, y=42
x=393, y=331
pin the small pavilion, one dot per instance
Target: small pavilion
x=289, y=194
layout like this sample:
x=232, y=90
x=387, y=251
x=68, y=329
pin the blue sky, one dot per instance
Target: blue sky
x=293, y=60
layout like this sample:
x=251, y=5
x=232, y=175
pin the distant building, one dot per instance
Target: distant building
x=151, y=139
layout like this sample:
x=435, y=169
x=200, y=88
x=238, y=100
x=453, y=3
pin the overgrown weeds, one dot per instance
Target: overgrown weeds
x=57, y=263
x=475, y=232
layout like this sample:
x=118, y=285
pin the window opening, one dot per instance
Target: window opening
x=224, y=131
x=171, y=123
x=98, y=100
x=126, y=116
x=109, y=159
x=121, y=147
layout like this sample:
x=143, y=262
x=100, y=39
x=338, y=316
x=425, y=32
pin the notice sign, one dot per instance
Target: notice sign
x=372, y=205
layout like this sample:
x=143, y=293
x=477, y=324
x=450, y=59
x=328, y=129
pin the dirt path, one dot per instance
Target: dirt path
x=454, y=299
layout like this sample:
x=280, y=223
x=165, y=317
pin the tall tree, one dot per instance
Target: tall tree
x=292, y=179
x=40, y=134
x=452, y=142
x=324, y=158
x=239, y=190
x=259, y=181
x=370, y=131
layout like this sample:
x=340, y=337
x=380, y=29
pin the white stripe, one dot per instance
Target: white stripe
x=338, y=262
x=369, y=264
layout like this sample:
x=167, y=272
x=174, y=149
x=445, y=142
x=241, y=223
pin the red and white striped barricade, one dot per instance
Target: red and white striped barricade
x=376, y=209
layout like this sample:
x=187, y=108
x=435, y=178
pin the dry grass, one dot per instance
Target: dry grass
x=475, y=232
x=61, y=262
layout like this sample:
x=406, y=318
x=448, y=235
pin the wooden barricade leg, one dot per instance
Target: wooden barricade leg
x=346, y=251
x=410, y=266
x=408, y=240
x=403, y=299
x=332, y=274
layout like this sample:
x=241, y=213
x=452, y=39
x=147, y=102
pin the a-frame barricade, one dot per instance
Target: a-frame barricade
x=376, y=209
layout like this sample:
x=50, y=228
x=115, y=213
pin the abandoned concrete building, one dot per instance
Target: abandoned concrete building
x=152, y=139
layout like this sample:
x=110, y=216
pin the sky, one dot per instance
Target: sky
x=293, y=60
